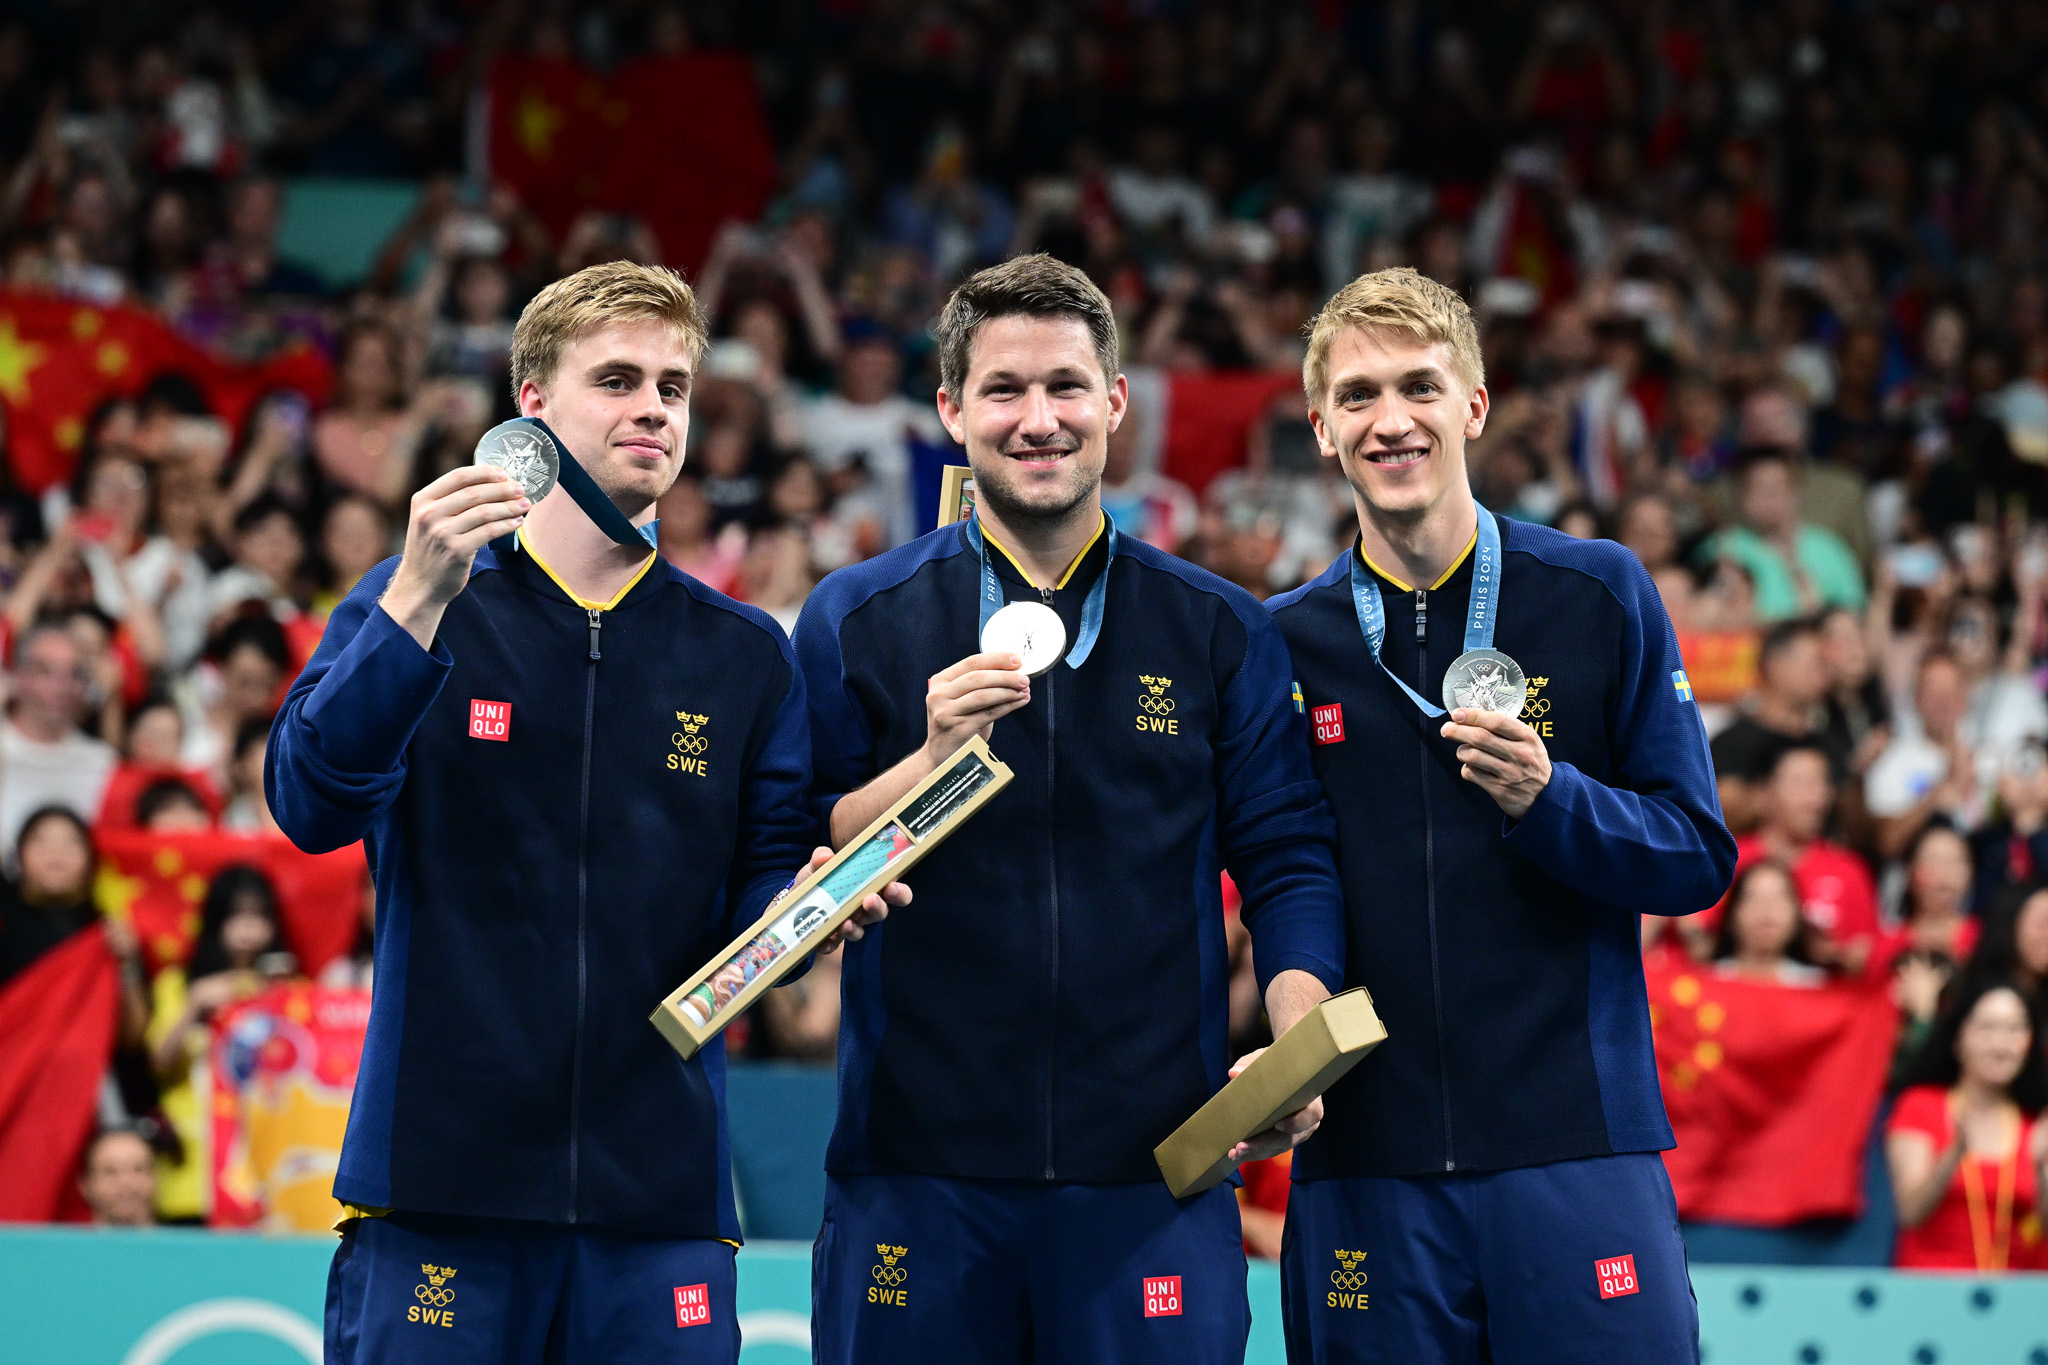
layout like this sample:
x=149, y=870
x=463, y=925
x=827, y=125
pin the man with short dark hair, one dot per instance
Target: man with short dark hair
x=1794, y=802
x=1011, y=1053
x=117, y=1179
x=1792, y=690
x=1798, y=567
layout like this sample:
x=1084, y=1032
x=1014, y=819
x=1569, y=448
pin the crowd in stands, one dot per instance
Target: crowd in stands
x=1763, y=292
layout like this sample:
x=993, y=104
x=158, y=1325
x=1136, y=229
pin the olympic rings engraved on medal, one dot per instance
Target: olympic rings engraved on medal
x=433, y=1298
x=890, y=1274
x=690, y=744
x=1158, y=706
x=1348, y=1279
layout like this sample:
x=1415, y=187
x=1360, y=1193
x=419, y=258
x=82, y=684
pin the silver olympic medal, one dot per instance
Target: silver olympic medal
x=523, y=451
x=1030, y=630
x=1485, y=680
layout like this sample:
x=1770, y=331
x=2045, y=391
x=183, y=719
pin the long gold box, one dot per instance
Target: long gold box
x=1305, y=1061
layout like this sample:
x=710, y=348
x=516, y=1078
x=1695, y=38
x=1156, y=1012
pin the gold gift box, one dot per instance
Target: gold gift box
x=788, y=931
x=1304, y=1062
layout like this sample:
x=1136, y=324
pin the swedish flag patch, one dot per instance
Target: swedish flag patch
x=1299, y=708
x=1681, y=685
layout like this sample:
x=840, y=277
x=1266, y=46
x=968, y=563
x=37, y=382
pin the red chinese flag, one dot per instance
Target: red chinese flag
x=159, y=881
x=550, y=120
x=1209, y=418
x=59, y=359
x=56, y=1035
x=1771, y=1090
x=691, y=149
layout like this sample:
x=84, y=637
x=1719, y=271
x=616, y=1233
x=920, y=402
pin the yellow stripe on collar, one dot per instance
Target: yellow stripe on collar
x=1445, y=577
x=1026, y=573
x=585, y=602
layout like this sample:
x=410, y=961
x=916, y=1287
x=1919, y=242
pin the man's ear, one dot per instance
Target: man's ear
x=953, y=418
x=1326, y=446
x=1119, y=401
x=1475, y=416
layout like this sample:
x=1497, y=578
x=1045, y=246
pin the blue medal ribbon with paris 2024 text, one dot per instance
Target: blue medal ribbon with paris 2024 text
x=1372, y=615
x=992, y=600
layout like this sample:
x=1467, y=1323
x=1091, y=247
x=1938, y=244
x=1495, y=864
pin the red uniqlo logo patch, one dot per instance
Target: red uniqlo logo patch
x=490, y=720
x=1329, y=722
x=1617, y=1276
x=693, y=1305
x=1162, y=1296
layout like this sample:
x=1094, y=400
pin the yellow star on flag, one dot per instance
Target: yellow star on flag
x=537, y=121
x=18, y=360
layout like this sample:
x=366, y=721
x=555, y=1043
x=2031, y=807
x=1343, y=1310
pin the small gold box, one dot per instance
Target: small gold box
x=1304, y=1062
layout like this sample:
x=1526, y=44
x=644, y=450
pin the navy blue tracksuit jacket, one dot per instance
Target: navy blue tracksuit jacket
x=1054, y=1003
x=567, y=812
x=1504, y=955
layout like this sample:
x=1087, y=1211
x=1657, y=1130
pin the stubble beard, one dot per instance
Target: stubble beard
x=1013, y=511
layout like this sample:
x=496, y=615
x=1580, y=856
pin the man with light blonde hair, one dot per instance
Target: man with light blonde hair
x=578, y=773
x=1506, y=732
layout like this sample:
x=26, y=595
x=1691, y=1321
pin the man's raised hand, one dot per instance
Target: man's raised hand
x=968, y=699
x=451, y=519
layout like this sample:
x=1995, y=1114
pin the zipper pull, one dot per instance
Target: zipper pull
x=1045, y=596
x=596, y=625
x=1421, y=615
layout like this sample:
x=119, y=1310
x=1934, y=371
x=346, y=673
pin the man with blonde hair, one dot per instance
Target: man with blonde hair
x=1506, y=732
x=578, y=773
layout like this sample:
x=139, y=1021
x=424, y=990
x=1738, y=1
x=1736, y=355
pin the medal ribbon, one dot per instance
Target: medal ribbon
x=1479, y=617
x=575, y=480
x=992, y=600
x=1990, y=1234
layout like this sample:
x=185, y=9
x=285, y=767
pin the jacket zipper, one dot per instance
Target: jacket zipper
x=1436, y=980
x=1052, y=853
x=582, y=907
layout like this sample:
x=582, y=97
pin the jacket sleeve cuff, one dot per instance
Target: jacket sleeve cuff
x=1547, y=822
x=383, y=683
x=1331, y=975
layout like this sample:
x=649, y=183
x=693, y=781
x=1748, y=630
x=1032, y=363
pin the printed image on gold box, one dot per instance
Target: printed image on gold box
x=1304, y=1062
x=698, y=1009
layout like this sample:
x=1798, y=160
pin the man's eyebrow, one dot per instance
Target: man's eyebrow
x=1056, y=372
x=1430, y=372
x=629, y=367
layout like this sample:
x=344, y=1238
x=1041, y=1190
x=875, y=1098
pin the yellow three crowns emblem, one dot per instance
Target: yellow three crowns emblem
x=1536, y=705
x=888, y=1272
x=1348, y=1275
x=1154, y=698
x=437, y=1296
